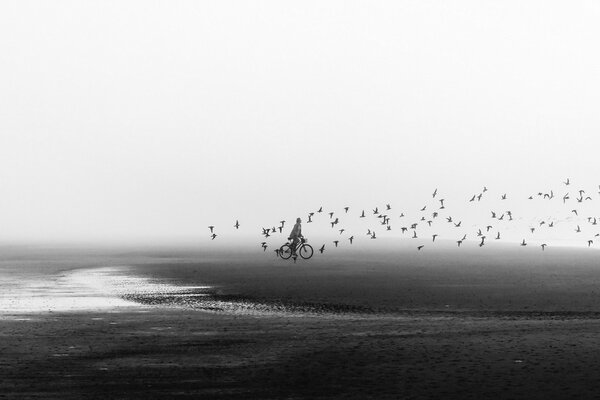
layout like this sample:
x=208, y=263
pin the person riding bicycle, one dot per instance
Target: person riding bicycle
x=295, y=235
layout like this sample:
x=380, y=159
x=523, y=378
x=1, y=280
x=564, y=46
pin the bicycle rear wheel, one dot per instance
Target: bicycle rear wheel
x=306, y=251
x=285, y=251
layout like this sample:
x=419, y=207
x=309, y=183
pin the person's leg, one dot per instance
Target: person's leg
x=294, y=245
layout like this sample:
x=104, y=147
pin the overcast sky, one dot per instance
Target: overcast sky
x=134, y=119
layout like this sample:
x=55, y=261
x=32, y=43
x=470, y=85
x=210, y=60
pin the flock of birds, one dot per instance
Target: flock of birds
x=430, y=215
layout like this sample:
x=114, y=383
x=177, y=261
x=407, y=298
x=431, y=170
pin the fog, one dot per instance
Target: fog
x=136, y=120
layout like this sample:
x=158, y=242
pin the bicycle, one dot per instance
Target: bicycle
x=304, y=249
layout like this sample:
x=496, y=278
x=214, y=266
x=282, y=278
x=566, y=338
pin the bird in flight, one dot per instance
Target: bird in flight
x=320, y=209
x=414, y=235
x=503, y=196
x=342, y=231
x=423, y=209
x=335, y=242
x=575, y=212
x=473, y=198
x=346, y=209
x=434, y=236
x=363, y=214
x=237, y=224
x=523, y=243
x=211, y=228
x=330, y=215
x=351, y=238
x=434, y=193
x=322, y=249
x=498, y=236
x=543, y=246
x=458, y=224
x=388, y=207
x=442, y=203
x=590, y=242
x=482, y=241
x=376, y=210
x=578, y=229
x=213, y=236
x=459, y=242
x=567, y=182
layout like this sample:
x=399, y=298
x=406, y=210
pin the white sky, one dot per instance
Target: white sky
x=134, y=119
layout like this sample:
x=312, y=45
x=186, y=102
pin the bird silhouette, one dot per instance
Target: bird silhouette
x=309, y=219
x=401, y=215
x=336, y=242
x=373, y=235
x=330, y=215
x=532, y=230
x=423, y=209
x=404, y=229
x=388, y=207
x=565, y=198
x=322, y=249
x=414, y=235
x=389, y=227
x=442, y=203
x=237, y=224
x=578, y=229
x=523, y=243
x=376, y=210
x=464, y=237
x=320, y=210
x=363, y=214
x=482, y=241
x=434, y=193
x=590, y=242
x=567, y=182
x=211, y=228
x=346, y=209
x=493, y=214
x=485, y=189
x=434, y=236
x=544, y=246
x=459, y=242
x=283, y=222
x=458, y=224
x=213, y=236
x=503, y=197
x=351, y=238
x=342, y=231
x=473, y=198
x=497, y=235
x=420, y=247
x=487, y=228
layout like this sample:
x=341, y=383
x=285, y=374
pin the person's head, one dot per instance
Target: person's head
x=298, y=220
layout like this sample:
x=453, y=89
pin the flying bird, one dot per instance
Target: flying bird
x=342, y=231
x=567, y=182
x=523, y=243
x=434, y=236
x=459, y=242
x=503, y=196
x=590, y=242
x=335, y=242
x=414, y=235
x=330, y=215
x=363, y=214
x=351, y=238
x=237, y=224
x=320, y=210
x=211, y=228
x=420, y=247
x=388, y=207
x=322, y=249
x=213, y=236
x=434, y=193
x=346, y=209
x=543, y=246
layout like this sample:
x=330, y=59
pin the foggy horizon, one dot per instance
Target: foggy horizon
x=132, y=121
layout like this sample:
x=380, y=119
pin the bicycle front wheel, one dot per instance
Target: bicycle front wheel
x=306, y=251
x=285, y=251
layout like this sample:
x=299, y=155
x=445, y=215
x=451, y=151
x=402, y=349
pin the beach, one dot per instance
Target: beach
x=384, y=323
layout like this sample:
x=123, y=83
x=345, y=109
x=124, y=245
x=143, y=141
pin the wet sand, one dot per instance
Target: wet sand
x=351, y=325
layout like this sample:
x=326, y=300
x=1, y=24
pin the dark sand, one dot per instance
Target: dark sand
x=383, y=324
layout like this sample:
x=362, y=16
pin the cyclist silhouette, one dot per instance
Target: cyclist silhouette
x=295, y=235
